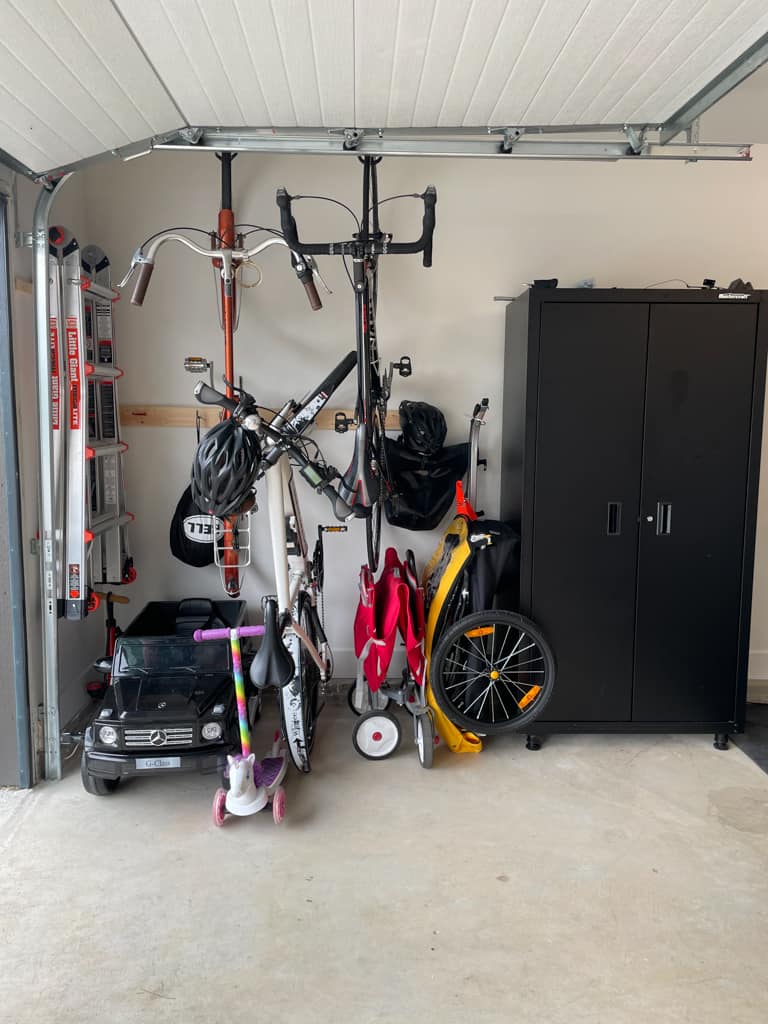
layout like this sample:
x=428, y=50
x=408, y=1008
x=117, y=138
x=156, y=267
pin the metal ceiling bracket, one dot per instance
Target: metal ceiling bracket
x=635, y=139
x=511, y=135
x=191, y=135
x=352, y=138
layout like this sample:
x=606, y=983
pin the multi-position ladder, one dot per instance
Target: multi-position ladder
x=87, y=447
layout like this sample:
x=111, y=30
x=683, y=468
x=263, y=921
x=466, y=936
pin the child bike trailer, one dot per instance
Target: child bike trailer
x=490, y=670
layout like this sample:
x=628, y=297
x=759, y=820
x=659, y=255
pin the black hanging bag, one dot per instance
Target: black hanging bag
x=423, y=472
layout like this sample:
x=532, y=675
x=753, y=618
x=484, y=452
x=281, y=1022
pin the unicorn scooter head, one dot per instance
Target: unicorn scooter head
x=252, y=784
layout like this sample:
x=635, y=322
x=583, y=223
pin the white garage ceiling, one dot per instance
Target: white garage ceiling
x=80, y=78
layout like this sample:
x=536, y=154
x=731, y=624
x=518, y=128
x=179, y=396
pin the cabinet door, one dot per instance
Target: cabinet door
x=587, y=490
x=697, y=421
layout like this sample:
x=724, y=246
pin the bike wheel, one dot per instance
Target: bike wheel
x=378, y=461
x=492, y=672
x=300, y=700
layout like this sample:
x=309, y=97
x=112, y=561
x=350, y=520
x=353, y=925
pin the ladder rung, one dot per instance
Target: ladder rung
x=105, y=523
x=90, y=288
x=96, y=450
x=96, y=370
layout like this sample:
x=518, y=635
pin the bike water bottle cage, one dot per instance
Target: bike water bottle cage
x=273, y=665
x=224, y=469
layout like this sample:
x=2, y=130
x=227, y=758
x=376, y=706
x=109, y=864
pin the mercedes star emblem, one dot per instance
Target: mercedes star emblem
x=158, y=737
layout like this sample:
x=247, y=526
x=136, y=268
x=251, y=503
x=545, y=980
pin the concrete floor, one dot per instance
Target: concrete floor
x=602, y=879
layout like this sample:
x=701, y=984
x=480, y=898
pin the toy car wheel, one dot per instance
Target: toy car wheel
x=425, y=738
x=93, y=784
x=278, y=805
x=376, y=735
x=219, y=810
x=379, y=702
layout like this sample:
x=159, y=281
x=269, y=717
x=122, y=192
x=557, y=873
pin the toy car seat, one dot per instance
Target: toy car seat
x=194, y=613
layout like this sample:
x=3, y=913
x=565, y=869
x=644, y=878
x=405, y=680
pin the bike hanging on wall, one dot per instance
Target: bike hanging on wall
x=294, y=654
x=366, y=482
x=228, y=254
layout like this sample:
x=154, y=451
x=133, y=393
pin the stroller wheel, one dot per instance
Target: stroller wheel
x=425, y=738
x=378, y=701
x=376, y=735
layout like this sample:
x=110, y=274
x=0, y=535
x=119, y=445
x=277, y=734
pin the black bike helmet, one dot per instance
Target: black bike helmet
x=224, y=469
x=423, y=427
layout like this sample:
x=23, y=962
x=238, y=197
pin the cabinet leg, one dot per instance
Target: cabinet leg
x=721, y=741
x=533, y=742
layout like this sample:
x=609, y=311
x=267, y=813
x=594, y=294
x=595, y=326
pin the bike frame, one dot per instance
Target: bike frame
x=366, y=477
x=292, y=579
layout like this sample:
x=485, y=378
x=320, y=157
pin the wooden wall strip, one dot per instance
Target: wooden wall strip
x=184, y=416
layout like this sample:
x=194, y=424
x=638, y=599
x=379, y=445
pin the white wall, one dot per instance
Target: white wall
x=499, y=226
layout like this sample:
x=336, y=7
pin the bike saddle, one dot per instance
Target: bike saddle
x=272, y=665
x=359, y=487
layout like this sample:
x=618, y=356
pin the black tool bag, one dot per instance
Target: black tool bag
x=194, y=532
x=424, y=486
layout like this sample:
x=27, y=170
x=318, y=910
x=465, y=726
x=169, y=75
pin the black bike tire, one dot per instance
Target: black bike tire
x=308, y=683
x=373, y=521
x=439, y=678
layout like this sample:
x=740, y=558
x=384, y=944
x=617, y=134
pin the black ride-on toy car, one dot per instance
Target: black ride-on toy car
x=170, y=705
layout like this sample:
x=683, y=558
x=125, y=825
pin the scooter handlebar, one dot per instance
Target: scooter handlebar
x=224, y=634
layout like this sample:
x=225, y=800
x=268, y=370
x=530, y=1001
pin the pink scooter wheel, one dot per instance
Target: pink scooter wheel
x=278, y=805
x=219, y=807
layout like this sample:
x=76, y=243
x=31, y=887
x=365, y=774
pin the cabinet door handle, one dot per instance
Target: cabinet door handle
x=614, y=519
x=663, y=518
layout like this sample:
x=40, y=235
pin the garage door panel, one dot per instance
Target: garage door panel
x=549, y=35
x=709, y=34
x=506, y=48
x=714, y=60
x=41, y=117
x=590, y=35
x=635, y=25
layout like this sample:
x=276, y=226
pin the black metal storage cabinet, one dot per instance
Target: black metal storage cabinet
x=631, y=452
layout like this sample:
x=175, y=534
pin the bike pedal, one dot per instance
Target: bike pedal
x=403, y=367
x=342, y=423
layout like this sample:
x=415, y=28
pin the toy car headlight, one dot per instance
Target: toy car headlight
x=212, y=731
x=219, y=709
x=108, y=735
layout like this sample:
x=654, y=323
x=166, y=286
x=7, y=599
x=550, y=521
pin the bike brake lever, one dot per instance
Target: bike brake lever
x=313, y=263
x=136, y=259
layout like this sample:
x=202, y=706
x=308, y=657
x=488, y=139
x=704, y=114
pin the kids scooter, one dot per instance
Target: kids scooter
x=252, y=784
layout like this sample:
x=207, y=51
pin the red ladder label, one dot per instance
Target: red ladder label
x=55, y=375
x=73, y=359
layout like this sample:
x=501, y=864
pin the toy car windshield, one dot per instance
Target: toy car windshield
x=171, y=658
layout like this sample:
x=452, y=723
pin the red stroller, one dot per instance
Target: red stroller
x=393, y=606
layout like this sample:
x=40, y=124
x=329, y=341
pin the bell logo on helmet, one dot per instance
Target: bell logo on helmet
x=203, y=529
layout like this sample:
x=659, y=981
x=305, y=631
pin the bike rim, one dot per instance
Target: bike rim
x=494, y=674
